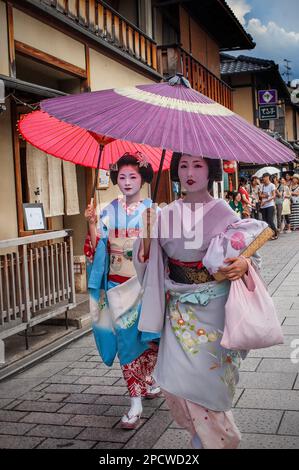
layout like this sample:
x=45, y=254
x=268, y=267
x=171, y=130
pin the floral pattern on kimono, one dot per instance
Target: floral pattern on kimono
x=188, y=331
x=195, y=339
x=138, y=374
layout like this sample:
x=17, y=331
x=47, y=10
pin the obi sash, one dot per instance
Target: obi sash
x=188, y=272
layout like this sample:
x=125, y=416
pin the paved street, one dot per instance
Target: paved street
x=72, y=400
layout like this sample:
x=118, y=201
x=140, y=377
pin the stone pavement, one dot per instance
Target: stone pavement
x=72, y=400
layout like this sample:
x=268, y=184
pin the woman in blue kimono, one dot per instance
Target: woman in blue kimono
x=115, y=292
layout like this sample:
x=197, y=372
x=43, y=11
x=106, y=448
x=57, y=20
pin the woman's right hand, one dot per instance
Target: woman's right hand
x=90, y=215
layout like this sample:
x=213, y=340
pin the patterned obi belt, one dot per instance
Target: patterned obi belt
x=184, y=272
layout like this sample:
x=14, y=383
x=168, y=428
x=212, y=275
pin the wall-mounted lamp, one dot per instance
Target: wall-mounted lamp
x=2, y=97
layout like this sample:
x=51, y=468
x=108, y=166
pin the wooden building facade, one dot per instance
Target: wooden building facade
x=54, y=47
x=247, y=76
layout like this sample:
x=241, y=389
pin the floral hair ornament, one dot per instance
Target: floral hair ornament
x=142, y=162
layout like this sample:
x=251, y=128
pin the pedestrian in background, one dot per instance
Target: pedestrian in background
x=268, y=194
x=286, y=206
x=275, y=180
x=236, y=204
x=288, y=178
x=245, y=198
x=278, y=201
x=228, y=196
x=294, y=187
x=246, y=213
x=255, y=189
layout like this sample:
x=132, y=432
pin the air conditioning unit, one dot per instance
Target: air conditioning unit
x=295, y=83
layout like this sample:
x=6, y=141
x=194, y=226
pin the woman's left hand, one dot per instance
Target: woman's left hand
x=235, y=270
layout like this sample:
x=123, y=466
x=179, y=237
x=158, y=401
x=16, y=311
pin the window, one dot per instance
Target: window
x=37, y=73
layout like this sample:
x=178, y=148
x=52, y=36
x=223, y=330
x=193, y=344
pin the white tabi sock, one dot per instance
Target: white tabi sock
x=136, y=407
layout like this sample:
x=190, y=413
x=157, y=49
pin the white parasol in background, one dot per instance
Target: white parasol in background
x=267, y=169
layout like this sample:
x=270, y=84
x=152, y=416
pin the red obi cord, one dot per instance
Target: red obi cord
x=124, y=233
x=186, y=264
x=117, y=278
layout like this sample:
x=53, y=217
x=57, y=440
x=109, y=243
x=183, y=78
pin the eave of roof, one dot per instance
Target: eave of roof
x=16, y=84
x=231, y=65
x=217, y=18
x=242, y=30
x=242, y=64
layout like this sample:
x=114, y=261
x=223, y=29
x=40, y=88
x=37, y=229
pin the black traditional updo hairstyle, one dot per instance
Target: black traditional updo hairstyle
x=215, y=169
x=145, y=169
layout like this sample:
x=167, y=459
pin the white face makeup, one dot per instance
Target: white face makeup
x=129, y=180
x=193, y=173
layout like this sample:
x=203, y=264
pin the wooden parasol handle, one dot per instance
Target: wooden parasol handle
x=159, y=175
x=96, y=175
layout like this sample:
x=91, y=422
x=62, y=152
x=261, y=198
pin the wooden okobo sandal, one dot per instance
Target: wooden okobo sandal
x=131, y=423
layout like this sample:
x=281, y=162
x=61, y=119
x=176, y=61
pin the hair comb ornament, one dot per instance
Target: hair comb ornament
x=113, y=167
x=142, y=162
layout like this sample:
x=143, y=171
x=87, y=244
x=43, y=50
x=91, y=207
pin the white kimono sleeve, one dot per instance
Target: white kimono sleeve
x=151, y=277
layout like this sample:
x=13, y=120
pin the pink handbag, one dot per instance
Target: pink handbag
x=250, y=317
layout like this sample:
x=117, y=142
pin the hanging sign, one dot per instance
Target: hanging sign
x=268, y=112
x=267, y=97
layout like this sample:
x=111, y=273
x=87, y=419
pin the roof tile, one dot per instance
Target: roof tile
x=240, y=64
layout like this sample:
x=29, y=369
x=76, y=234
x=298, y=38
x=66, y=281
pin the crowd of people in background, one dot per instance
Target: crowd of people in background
x=270, y=198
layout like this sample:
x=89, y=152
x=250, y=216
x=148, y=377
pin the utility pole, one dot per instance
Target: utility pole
x=288, y=70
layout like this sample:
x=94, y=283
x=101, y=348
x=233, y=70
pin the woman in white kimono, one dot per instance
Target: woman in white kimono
x=183, y=301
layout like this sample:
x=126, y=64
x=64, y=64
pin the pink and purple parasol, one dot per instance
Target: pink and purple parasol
x=165, y=116
x=172, y=116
